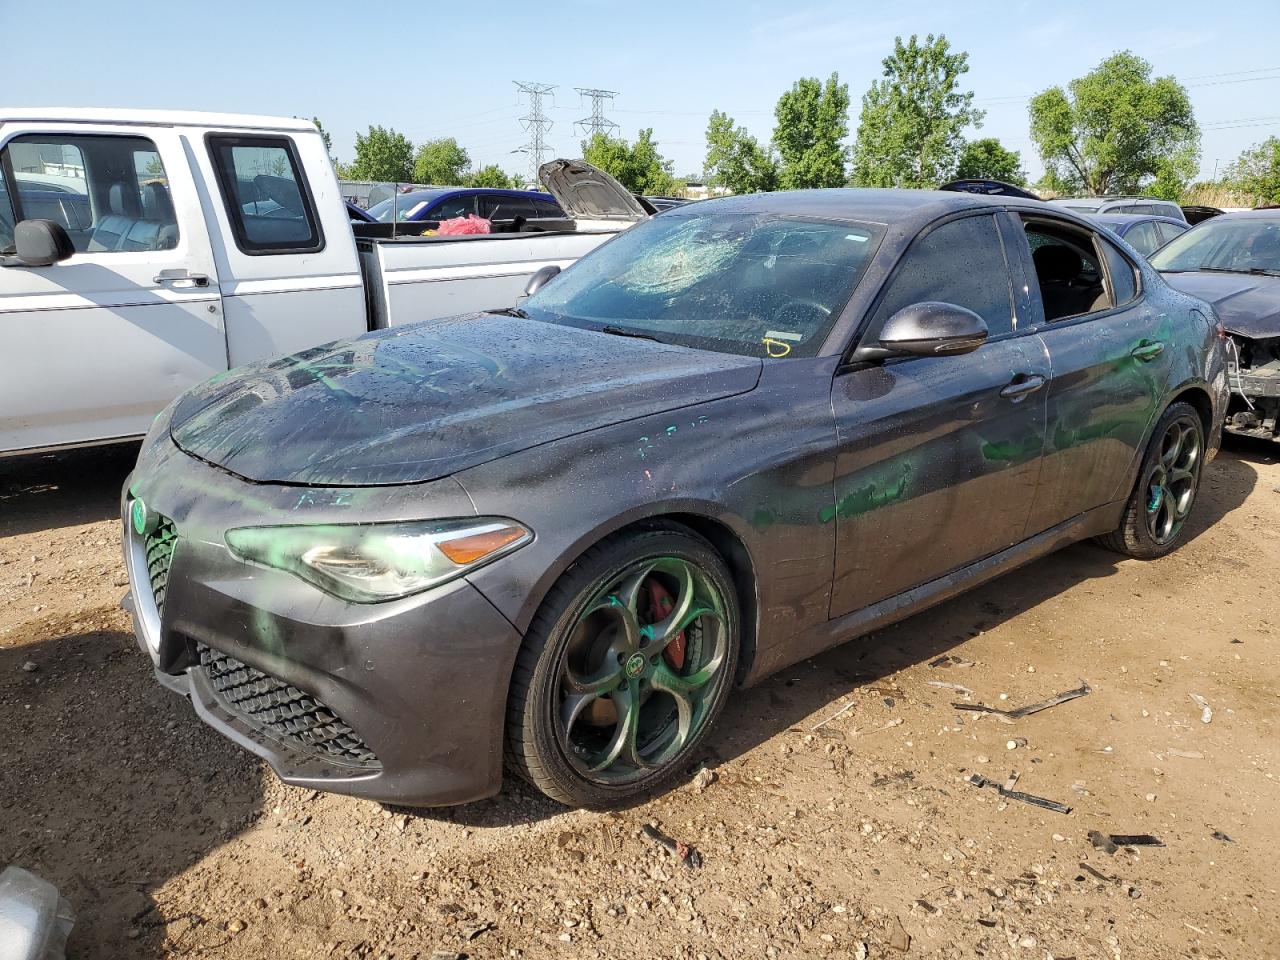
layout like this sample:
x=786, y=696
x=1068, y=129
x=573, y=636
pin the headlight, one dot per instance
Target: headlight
x=371, y=562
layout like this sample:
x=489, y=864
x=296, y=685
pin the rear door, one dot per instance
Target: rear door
x=938, y=457
x=1111, y=353
x=96, y=345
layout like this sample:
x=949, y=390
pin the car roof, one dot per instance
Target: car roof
x=436, y=193
x=1126, y=219
x=154, y=118
x=872, y=204
x=1267, y=213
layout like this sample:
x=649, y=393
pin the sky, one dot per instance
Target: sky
x=433, y=70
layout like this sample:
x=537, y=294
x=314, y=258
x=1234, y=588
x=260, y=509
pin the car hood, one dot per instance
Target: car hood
x=1247, y=305
x=417, y=403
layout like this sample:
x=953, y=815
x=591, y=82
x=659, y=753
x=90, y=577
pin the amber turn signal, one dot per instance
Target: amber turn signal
x=477, y=546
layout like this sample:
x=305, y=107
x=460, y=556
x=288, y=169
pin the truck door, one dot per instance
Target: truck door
x=92, y=348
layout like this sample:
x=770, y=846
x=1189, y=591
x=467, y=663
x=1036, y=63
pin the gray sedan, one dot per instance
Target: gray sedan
x=558, y=537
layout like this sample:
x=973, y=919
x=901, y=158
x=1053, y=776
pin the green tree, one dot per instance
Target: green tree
x=1116, y=129
x=441, y=161
x=639, y=167
x=1256, y=173
x=987, y=159
x=910, y=132
x=735, y=160
x=382, y=155
x=328, y=140
x=490, y=175
x=812, y=124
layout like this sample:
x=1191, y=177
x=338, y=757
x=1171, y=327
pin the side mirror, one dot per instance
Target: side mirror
x=541, y=279
x=41, y=243
x=929, y=329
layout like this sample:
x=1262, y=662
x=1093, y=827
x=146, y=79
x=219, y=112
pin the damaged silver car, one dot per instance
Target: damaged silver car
x=1233, y=261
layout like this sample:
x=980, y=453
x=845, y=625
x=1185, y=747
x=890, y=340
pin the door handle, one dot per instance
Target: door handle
x=1024, y=384
x=1147, y=350
x=181, y=275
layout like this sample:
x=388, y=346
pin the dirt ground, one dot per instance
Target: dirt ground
x=839, y=822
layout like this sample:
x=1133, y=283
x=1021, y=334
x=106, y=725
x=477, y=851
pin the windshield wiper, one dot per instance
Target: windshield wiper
x=512, y=312
x=1250, y=271
x=620, y=332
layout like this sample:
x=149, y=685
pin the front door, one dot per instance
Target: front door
x=1111, y=354
x=96, y=345
x=938, y=456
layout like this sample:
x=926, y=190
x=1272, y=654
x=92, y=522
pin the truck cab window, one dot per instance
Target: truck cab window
x=110, y=194
x=266, y=195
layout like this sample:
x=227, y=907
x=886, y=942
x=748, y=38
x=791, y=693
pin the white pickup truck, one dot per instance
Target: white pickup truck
x=144, y=251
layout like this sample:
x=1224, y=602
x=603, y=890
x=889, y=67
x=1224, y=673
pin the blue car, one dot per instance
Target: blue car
x=1143, y=232
x=445, y=203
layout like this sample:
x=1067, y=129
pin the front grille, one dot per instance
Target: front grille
x=282, y=711
x=158, y=546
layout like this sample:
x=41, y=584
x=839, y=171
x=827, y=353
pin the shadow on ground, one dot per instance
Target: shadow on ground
x=64, y=489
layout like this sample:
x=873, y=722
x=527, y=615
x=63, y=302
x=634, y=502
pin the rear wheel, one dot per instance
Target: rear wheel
x=624, y=669
x=1166, y=490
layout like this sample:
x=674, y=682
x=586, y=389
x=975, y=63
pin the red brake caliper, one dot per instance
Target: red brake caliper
x=661, y=604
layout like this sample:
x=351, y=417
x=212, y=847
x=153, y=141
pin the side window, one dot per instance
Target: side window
x=545, y=208
x=961, y=262
x=266, y=195
x=1068, y=272
x=1170, y=230
x=1143, y=238
x=506, y=208
x=1124, y=277
x=110, y=194
x=6, y=216
x=451, y=207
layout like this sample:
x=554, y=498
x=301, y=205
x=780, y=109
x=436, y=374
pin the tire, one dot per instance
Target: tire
x=1166, y=489
x=578, y=689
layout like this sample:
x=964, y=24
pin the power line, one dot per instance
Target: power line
x=536, y=122
x=597, y=122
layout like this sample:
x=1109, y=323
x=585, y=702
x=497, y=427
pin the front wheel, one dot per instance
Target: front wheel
x=1168, y=482
x=624, y=669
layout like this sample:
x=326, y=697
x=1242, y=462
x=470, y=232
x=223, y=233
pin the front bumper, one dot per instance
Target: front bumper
x=413, y=690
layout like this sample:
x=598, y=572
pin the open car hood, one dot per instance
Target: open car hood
x=585, y=192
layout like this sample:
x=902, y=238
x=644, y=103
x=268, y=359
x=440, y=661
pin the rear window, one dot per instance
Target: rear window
x=266, y=195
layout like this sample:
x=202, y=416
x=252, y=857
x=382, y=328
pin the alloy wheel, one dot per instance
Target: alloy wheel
x=642, y=668
x=1172, y=479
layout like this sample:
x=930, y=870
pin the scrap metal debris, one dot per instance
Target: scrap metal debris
x=686, y=854
x=835, y=716
x=1206, y=712
x=1111, y=842
x=1031, y=708
x=959, y=688
x=980, y=781
x=950, y=660
x=1219, y=835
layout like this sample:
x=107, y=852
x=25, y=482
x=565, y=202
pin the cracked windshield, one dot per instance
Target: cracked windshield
x=766, y=286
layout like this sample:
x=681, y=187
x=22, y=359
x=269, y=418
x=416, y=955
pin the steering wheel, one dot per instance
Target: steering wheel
x=280, y=190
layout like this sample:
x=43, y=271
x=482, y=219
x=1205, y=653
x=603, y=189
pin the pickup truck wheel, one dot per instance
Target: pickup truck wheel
x=624, y=669
x=1166, y=489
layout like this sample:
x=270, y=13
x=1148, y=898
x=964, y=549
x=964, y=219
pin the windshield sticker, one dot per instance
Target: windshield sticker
x=777, y=343
x=856, y=237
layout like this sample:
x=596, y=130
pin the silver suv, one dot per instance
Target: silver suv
x=1147, y=205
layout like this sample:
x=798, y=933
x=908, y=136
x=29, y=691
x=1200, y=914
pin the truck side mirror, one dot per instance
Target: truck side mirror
x=541, y=279
x=41, y=243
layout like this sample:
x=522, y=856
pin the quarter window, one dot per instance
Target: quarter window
x=266, y=195
x=1124, y=278
x=961, y=262
x=111, y=194
x=451, y=207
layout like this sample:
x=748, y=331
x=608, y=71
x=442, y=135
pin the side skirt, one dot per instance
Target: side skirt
x=885, y=612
